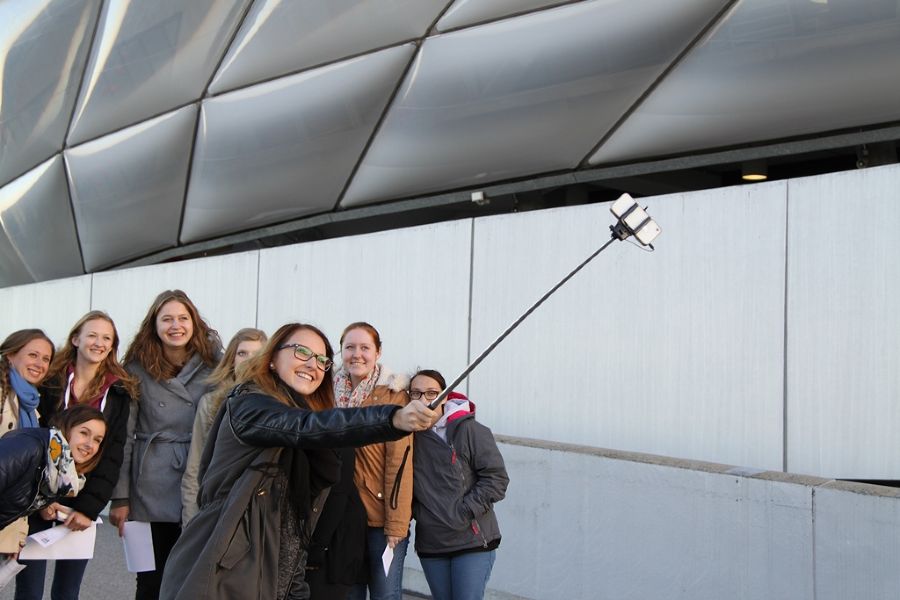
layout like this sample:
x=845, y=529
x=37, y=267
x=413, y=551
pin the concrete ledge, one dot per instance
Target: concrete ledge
x=593, y=523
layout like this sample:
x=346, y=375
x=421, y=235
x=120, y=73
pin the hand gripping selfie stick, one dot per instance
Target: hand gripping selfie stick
x=631, y=220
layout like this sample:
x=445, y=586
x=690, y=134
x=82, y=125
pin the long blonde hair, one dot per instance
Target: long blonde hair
x=223, y=377
x=69, y=354
x=147, y=349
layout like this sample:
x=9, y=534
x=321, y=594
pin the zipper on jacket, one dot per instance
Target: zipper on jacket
x=25, y=512
x=477, y=531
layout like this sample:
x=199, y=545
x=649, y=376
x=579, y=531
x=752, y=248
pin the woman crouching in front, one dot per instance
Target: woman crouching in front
x=266, y=470
x=39, y=466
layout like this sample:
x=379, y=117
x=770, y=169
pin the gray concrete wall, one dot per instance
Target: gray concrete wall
x=762, y=332
x=593, y=524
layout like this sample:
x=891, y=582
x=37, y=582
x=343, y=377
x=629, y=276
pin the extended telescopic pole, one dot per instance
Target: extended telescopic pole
x=437, y=401
x=631, y=220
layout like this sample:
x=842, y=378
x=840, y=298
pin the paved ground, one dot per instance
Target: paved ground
x=106, y=577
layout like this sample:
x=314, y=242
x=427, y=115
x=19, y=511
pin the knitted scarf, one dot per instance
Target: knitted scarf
x=345, y=396
x=28, y=399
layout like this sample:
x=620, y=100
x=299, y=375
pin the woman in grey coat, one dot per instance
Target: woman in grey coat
x=172, y=356
x=266, y=471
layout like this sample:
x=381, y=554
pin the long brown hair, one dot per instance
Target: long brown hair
x=147, y=349
x=12, y=344
x=68, y=355
x=71, y=418
x=223, y=377
x=259, y=372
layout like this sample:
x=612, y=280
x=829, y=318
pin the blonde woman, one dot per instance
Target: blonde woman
x=245, y=344
x=85, y=372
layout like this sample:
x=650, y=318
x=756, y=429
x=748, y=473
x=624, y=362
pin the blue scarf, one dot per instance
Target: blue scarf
x=28, y=399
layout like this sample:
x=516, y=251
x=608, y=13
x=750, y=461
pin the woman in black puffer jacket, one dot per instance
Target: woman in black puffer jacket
x=39, y=466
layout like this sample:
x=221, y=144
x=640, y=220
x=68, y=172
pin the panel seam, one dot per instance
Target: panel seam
x=471, y=296
x=676, y=62
x=784, y=367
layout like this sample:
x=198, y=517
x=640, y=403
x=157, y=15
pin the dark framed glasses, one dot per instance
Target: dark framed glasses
x=429, y=395
x=303, y=353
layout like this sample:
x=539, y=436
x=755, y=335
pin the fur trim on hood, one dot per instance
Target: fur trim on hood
x=396, y=382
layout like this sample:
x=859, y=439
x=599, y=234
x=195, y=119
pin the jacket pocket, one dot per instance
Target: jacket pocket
x=375, y=487
x=239, y=545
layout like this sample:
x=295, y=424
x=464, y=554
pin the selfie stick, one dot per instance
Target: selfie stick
x=632, y=220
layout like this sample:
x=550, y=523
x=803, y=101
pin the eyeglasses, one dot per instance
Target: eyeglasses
x=303, y=353
x=429, y=395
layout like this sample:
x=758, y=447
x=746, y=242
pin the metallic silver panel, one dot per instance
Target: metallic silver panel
x=53, y=306
x=467, y=12
x=150, y=57
x=43, y=50
x=843, y=324
x=222, y=287
x=279, y=37
x=772, y=69
x=285, y=148
x=12, y=269
x=521, y=96
x=37, y=220
x=128, y=188
x=677, y=353
x=404, y=279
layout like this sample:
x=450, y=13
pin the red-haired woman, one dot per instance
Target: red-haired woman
x=383, y=473
x=85, y=372
x=172, y=356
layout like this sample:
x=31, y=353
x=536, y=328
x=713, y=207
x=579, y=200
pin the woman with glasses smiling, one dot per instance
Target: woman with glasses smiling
x=266, y=472
x=460, y=475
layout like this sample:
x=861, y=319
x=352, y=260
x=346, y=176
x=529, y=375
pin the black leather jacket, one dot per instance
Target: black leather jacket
x=257, y=446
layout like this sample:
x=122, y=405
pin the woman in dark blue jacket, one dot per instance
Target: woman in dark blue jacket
x=459, y=476
x=39, y=466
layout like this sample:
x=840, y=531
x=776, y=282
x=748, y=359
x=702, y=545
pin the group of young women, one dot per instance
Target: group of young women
x=264, y=471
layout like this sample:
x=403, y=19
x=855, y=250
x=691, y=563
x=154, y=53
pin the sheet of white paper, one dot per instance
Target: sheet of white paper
x=387, y=558
x=8, y=570
x=138, y=543
x=66, y=544
x=48, y=537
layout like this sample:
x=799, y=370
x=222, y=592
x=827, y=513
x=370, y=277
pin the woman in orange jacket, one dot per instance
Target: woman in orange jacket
x=383, y=473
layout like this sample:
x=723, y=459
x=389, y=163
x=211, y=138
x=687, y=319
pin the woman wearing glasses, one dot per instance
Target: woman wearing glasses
x=383, y=473
x=459, y=476
x=267, y=469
